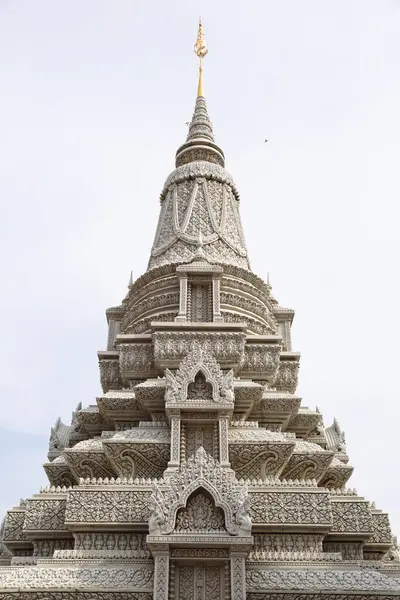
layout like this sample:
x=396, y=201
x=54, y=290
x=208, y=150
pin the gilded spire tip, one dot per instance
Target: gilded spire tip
x=200, y=48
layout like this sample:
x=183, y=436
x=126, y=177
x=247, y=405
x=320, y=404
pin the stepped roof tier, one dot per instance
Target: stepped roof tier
x=197, y=473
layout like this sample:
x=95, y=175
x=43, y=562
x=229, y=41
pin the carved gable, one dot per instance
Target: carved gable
x=200, y=379
x=197, y=487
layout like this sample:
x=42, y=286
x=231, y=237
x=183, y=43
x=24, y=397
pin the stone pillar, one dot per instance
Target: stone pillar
x=238, y=576
x=175, y=441
x=216, y=288
x=223, y=441
x=161, y=575
x=183, y=287
x=113, y=330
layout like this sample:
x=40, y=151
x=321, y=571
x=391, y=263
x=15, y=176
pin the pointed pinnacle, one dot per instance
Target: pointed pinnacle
x=200, y=125
x=130, y=284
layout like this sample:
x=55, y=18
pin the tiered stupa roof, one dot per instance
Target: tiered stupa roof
x=197, y=474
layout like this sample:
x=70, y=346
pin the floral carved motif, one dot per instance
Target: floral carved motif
x=290, y=507
x=261, y=358
x=382, y=533
x=138, y=460
x=136, y=357
x=199, y=361
x=324, y=579
x=30, y=578
x=255, y=461
x=46, y=514
x=351, y=516
x=200, y=514
x=200, y=471
x=110, y=375
x=287, y=376
x=174, y=346
x=13, y=526
x=111, y=506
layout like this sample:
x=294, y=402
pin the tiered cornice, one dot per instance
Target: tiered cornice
x=197, y=473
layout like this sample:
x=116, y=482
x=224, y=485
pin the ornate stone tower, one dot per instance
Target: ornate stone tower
x=198, y=475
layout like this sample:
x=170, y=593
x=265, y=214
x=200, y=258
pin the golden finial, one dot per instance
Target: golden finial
x=200, y=48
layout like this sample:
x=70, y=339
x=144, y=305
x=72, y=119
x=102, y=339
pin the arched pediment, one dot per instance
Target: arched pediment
x=200, y=515
x=201, y=472
x=199, y=379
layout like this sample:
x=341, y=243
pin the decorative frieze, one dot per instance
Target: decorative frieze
x=381, y=532
x=351, y=516
x=260, y=360
x=45, y=514
x=108, y=506
x=259, y=460
x=13, y=527
x=110, y=375
x=171, y=347
x=135, y=578
x=317, y=580
x=137, y=460
x=347, y=550
x=287, y=376
x=150, y=304
x=136, y=359
x=112, y=540
x=46, y=547
x=288, y=542
x=294, y=508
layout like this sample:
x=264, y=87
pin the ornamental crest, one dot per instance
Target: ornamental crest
x=203, y=474
x=199, y=379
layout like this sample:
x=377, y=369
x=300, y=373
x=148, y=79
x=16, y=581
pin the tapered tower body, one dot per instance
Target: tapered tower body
x=198, y=474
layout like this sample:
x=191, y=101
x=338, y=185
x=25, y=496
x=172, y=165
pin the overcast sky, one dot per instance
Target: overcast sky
x=93, y=103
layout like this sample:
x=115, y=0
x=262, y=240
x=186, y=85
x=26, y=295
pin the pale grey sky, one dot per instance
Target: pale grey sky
x=94, y=99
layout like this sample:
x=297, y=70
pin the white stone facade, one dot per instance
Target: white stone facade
x=198, y=474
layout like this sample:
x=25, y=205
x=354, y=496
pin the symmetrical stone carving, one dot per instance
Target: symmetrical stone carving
x=136, y=357
x=261, y=359
x=306, y=508
x=200, y=363
x=137, y=460
x=317, y=580
x=287, y=376
x=200, y=514
x=200, y=472
x=13, y=526
x=351, y=516
x=110, y=375
x=198, y=440
x=107, y=506
x=45, y=514
x=199, y=199
x=30, y=578
x=173, y=346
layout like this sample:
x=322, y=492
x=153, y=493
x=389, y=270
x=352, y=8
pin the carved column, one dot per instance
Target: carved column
x=216, y=288
x=161, y=575
x=175, y=441
x=223, y=441
x=238, y=579
x=183, y=287
x=113, y=330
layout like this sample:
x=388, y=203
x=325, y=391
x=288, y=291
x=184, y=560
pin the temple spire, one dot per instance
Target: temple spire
x=200, y=145
x=200, y=48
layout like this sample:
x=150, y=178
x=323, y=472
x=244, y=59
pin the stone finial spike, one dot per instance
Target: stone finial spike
x=130, y=284
x=200, y=48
